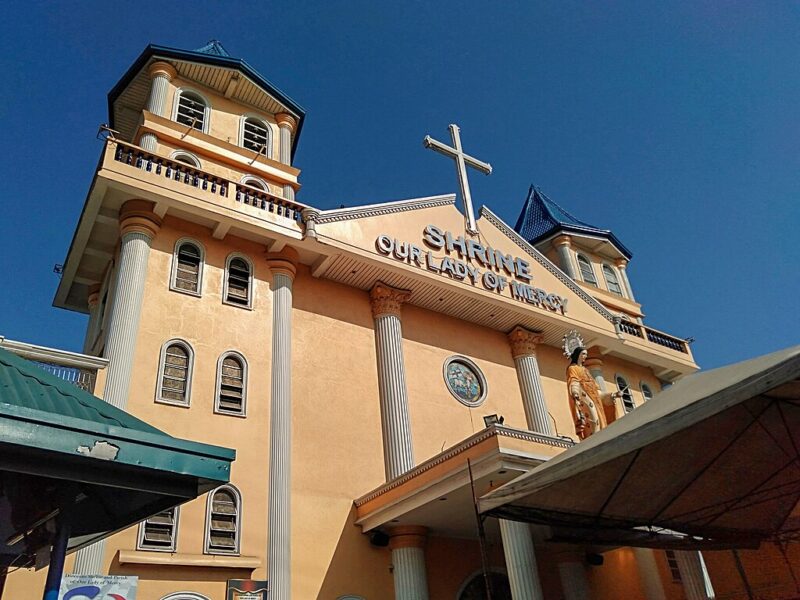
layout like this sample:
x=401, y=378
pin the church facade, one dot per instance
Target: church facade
x=376, y=367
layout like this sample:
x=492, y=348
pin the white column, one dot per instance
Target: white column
x=93, y=301
x=138, y=227
x=286, y=125
x=523, y=349
x=563, y=244
x=408, y=562
x=621, y=266
x=690, y=565
x=283, y=268
x=523, y=574
x=573, y=580
x=398, y=456
x=161, y=74
x=648, y=574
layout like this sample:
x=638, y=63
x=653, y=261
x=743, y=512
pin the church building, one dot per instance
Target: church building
x=377, y=368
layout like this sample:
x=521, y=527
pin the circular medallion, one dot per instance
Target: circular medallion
x=465, y=380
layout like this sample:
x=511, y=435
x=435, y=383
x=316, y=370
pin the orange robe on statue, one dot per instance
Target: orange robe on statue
x=589, y=411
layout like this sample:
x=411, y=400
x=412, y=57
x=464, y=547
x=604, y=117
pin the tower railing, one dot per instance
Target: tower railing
x=654, y=336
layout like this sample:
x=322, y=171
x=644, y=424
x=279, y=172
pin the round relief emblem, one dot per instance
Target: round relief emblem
x=465, y=380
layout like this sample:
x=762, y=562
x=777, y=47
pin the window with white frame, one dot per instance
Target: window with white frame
x=185, y=596
x=223, y=521
x=238, y=282
x=187, y=267
x=175, y=373
x=255, y=182
x=256, y=135
x=625, y=390
x=647, y=393
x=192, y=109
x=159, y=532
x=186, y=158
x=231, y=397
x=611, y=280
x=587, y=272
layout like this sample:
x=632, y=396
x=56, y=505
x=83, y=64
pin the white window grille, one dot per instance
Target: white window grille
x=191, y=110
x=627, y=397
x=256, y=135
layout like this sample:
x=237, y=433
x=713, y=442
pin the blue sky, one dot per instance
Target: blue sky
x=676, y=125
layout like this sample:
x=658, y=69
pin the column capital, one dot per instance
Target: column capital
x=387, y=300
x=286, y=120
x=523, y=341
x=162, y=68
x=407, y=536
x=284, y=262
x=93, y=297
x=621, y=263
x=310, y=216
x=138, y=216
x=593, y=363
x=562, y=240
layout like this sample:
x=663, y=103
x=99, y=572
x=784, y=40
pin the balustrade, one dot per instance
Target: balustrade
x=654, y=336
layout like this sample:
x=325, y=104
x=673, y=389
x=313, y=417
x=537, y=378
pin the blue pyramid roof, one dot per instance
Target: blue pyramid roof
x=214, y=48
x=541, y=217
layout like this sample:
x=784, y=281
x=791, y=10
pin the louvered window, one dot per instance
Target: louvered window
x=611, y=280
x=647, y=393
x=191, y=110
x=587, y=273
x=176, y=368
x=627, y=397
x=238, y=282
x=222, y=534
x=232, y=385
x=188, y=264
x=159, y=531
x=255, y=135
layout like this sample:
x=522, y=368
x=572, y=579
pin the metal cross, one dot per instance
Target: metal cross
x=462, y=162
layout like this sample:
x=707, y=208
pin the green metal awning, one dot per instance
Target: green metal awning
x=64, y=451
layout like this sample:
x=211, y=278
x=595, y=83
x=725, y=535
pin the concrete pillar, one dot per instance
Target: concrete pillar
x=286, y=126
x=574, y=582
x=523, y=349
x=138, y=226
x=161, y=73
x=523, y=574
x=623, y=273
x=648, y=574
x=283, y=266
x=398, y=456
x=693, y=577
x=407, y=544
x=93, y=301
x=563, y=243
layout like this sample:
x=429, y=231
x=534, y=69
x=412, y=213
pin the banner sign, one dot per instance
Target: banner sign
x=247, y=589
x=98, y=587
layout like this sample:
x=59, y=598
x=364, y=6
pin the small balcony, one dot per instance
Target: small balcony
x=79, y=369
x=654, y=336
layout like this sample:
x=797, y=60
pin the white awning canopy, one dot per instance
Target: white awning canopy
x=713, y=461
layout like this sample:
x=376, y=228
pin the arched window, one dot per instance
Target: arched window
x=475, y=587
x=611, y=280
x=185, y=596
x=627, y=397
x=223, y=521
x=255, y=182
x=187, y=158
x=231, y=396
x=238, y=281
x=159, y=532
x=256, y=135
x=175, y=373
x=187, y=267
x=191, y=109
x=587, y=272
x=647, y=393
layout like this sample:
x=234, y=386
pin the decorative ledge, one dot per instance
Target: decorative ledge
x=179, y=559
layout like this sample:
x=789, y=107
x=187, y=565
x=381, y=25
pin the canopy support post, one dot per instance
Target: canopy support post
x=740, y=568
x=481, y=535
x=57, y=556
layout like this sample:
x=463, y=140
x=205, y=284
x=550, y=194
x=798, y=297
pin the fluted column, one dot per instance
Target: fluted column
x=574, y=582
x=523, y=349
x=648, y=574
x=93, y=302
x=283, y=266
x=398, y=456
x=622, y=267
x=407, y=544
x=138, y=226
x=161, y=73
x=286, y=126
x=563, y=243
x=523, y=574
x=691, y=569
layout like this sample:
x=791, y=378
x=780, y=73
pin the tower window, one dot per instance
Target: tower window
x=187, y=268
x=223, y=522
x=627, y=397
x=159, y=532
x=587, y=272
x=611, y=280
x=256, y=136
x=175, y=373
x=231, y=384
x=192, y=110
x=238, y=282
